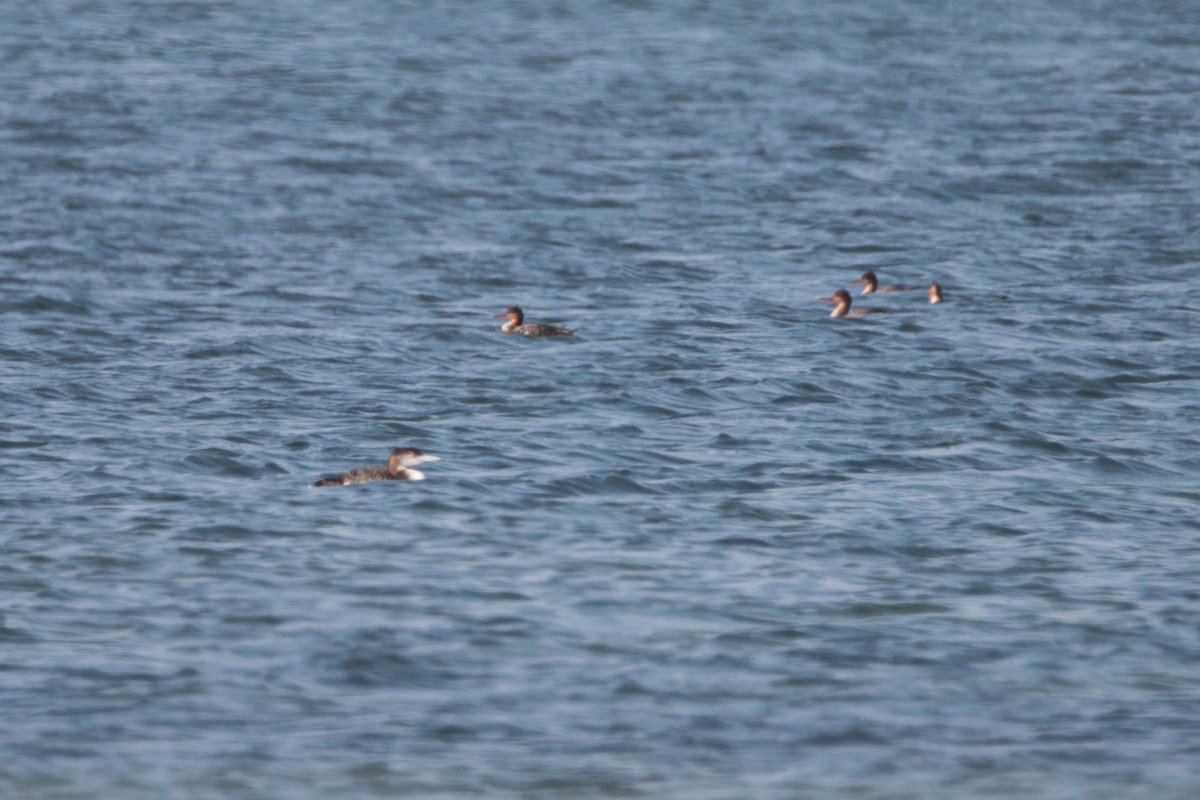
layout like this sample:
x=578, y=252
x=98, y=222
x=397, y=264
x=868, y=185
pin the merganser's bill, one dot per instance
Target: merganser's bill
x=870, y=285
x=517, y=324
x=396, y=469
x=842, y=309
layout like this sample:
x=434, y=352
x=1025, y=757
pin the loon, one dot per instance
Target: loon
x=395, y=470
x=935, y=293
x=871, y=285
x=516, y=324
x=842, y=298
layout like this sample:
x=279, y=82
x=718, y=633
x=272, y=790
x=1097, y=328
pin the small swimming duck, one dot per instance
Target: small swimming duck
x=871, y=285
x=935, y=293
x=516, y=324
x=397, y=469
x=842, y=309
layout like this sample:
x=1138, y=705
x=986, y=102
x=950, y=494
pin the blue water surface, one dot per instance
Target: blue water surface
x=715, y=545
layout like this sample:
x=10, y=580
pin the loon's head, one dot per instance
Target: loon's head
x=403, y=457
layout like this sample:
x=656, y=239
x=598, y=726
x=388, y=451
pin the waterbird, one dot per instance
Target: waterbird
x=871, y=285
x=842, y=309
x=516, y=324
x=396, y=469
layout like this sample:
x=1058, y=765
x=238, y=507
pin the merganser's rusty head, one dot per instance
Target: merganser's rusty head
x=869, y=282
x=842, y=298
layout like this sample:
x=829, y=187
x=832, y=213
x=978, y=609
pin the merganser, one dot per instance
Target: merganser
x=395, y=470
x=516, y=324
x=935, y=293
x=842, y=298
x=871, y=285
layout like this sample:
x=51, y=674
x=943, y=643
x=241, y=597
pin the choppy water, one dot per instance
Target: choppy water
x=716, y=545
